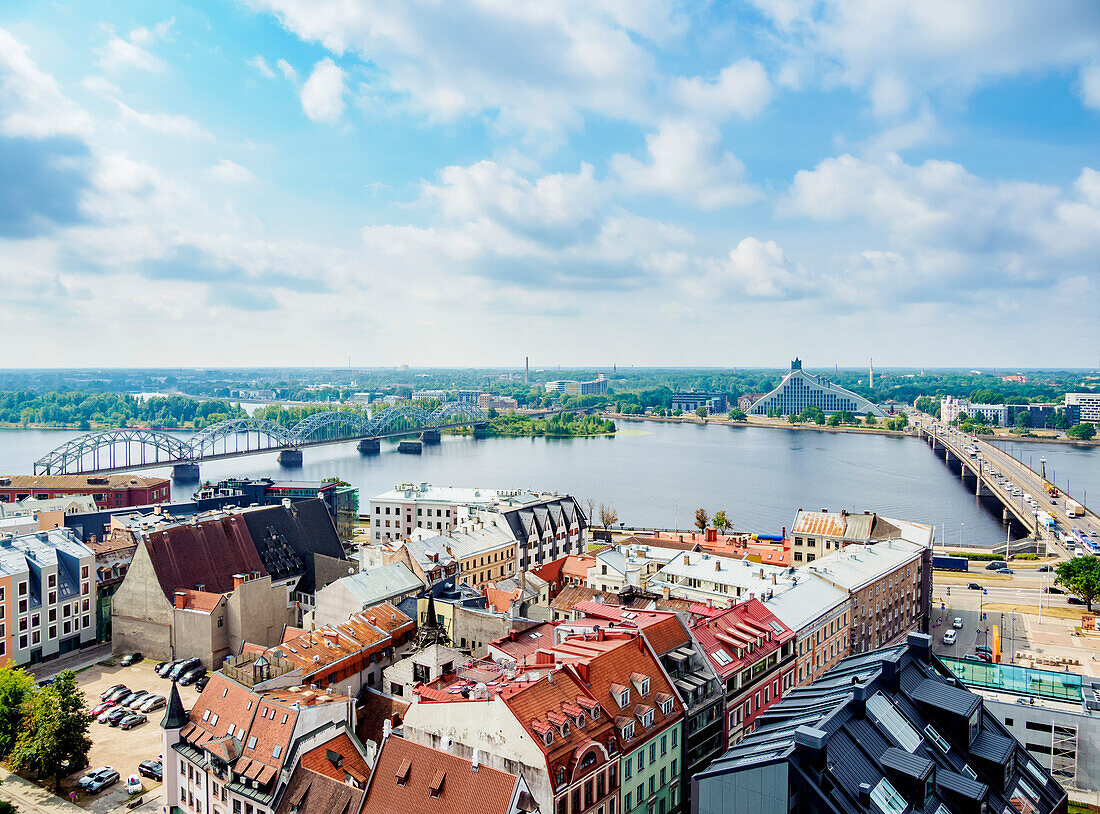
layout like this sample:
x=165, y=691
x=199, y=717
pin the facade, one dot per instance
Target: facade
x=819, y=614
x=488, y=401
x=108, y=491
x=460, y=396
x=425, y=665
x=890, y=731
x=475, y=553
x=753, y=654
x=1083, y=407
x=995, y=415
x=356, y=592
x=232, y=753
x=568, y=387
x=746, y=401
x=394, y=515
x=691, y=400
x=543, y=724
x=113, y=555
x=412, y=778
x=800, y=390
x=47, y=596
x=327, y=777
x=814, y=534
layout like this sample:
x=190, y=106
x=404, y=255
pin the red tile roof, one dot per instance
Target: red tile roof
x=661, y=628
x=734, y=631
x=830, y=524
x=202, y=601
x=206, y=553
x=365, y=632
x=351, y=760
x=461, y=789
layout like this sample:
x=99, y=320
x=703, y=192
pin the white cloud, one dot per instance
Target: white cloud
x=167, y=124
x=687, y=163
x=260, y=64
x=760, y=270
x=288, y=70
x=130, y=53
x=100, y=85
x=229, y=172
x=741, y=88
x=31, y=102
x=323, y=93
x=1090, y=85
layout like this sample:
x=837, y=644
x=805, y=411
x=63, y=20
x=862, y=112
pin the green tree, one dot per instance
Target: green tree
x=1080, y=576
x=701, y=411
x=870, y=419
x=1082, y=432
x=702, y=519
x=737, y=414
x=54, y=740
x=1023, y=420
x=720, y=521
x=16, y=686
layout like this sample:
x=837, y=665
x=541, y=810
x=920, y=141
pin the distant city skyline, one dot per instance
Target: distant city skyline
x=280, y=183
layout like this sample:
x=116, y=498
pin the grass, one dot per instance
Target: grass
x=1033, y=610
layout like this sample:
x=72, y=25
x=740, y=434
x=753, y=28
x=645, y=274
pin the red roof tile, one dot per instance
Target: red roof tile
x=351, y=760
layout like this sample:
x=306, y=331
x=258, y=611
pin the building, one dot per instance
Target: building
x=691, y=400
x=889, y=731
x=425, y=665
x=1082, y=407
x=800, y=390
x=489, y=401
x=330, y=776
x=543, y=724
x=951, y=409
x=410, y=777
x=890, y=589
x=47, y=589
x=753, y=654
x=569, y=387
x=474, y=553
x=69, y=505
x=460, y=396
x=113, y=555
x=350, y=655
x=748, y=399
x=342, y=500
x=356, y=592
x=814, y=534
x=819, y=615
x=396, y=514
x=108, y=491
x=232, y=753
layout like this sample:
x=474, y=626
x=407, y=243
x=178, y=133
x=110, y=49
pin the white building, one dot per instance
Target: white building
x=996, y=415
x=569, y=387
x=800, y=390
x=338, y=600
x=1083, y=407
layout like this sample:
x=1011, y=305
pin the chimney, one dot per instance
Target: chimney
x=774, y=582
x=712, y=535
x=239, y=580
x=475, y=761
x=666, y=591
x=717, y=565
x=761, y=573
x=687, y=560
x=181, y=599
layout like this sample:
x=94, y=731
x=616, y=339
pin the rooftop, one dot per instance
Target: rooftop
x=856, y=565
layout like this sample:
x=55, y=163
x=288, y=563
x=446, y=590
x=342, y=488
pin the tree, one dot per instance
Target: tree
x=701, y=411
x=590, y=504
x=54, y=740
x=608, y=515
x=702, y=520
x=870, y=419
x=1023, y=420
x=720, y=521
x=1082, y=432
x=1080, y=576
x=16, y=686
x=737, y=414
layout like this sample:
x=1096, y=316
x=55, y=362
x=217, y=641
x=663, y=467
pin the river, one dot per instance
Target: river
x=657, y=474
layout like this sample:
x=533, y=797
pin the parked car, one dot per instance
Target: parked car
x=958, y=623
x=152, y=703
x=132, y=720
x=101, y=707
x=165, y=667
x=134, y=785
x=113, y=688
x=183, y=667
x=118, y=694
x=191, y=676
x=949, y=637
x=116, y=715
x=132, y=658
x=200, y=685
x=96, y=781
x=152, y=769
x=1045, y=568
x=974, y=586
x=132, y=696
x=982, y=657
x=983, y=648
x=140, y=698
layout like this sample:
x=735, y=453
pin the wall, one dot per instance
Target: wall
x=652, y=769
x=817, y=642
x=195, y=633
x=257, y=613
x=141, y=616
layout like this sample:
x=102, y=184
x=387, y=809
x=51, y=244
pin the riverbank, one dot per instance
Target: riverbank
x=757, y=421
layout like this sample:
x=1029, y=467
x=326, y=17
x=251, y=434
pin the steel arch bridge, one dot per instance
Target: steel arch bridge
x=121, y=449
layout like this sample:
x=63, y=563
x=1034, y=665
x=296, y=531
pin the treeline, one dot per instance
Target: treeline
x=107, y=410
x=560, y=425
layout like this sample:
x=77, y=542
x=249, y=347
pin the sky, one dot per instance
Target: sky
x=469, y=182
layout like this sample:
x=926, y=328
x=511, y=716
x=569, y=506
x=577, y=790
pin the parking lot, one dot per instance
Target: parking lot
x=122, y=749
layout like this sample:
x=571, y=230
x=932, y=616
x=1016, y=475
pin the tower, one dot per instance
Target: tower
x=526, y=369
x=175, y=718
x=871, y=373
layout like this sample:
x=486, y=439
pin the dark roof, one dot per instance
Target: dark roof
x=175, y=716
x=288, y=538
x=206, y=553
x=883, y=723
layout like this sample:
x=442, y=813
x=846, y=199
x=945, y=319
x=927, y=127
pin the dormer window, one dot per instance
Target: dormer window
x=628, y=731
x=580, y=721
x=647, y=718
x=548, y=738
x=666, y=706
x=595, y=713
x=561, y=775
x=624, y=698
x=645, y=687
x=565, y=730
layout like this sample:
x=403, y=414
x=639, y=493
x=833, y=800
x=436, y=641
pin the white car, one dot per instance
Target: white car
x=949, y=637
x=134, y=785
x=958, y=623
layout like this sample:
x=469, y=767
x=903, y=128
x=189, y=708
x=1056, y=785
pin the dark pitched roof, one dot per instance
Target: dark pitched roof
x=206, y=553
x=311, y=792
x=288, y=538
x=175, y=716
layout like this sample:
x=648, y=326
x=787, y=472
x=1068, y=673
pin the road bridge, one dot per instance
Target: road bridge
x=987, y=459
x=124, y=449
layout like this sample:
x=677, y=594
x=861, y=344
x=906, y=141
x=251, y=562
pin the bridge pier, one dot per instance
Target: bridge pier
x=430, y=437
x=410, y=447
x=290, y=458
x=370, y=446
x=185, y=473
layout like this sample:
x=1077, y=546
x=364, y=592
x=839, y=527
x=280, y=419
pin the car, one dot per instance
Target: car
x=1053, y=589
x=132, y=720
x=1075, y=600
x=126, y=700
x=200, y=685
x=1008, y=572
x=134, y=785
x=191, y=676
x=949, y=637
x=1078, y=554
x=165, y=667
x=118, y=694
x=996, y=565
x=183, y=667
x=153, y=769
x=974, y=586
x=103, y=695
x=958, y=623
x=101, y=707
x=152, y=703
x=116, y=715
x=100, y=779
x=1045, y=568
x=982, y=657
x=130, y=659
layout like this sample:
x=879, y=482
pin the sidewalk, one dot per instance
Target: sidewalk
x=28, y=797
x=72, y=661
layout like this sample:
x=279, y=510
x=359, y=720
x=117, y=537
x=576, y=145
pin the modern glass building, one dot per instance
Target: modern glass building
x=800, y=390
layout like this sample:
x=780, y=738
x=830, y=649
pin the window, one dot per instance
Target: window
x=627, y=773
x=275, y=752
x=624, y=698
x=252, y=742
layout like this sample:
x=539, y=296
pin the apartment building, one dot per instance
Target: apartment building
x=819, y=614
x=356, y=592
x=47, y=596
x=753, y=653
x=480, y=553
x=108, y=491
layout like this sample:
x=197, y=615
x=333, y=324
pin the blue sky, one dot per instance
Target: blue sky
x=274, y=182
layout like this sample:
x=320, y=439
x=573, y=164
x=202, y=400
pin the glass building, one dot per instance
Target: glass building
x=800, y=390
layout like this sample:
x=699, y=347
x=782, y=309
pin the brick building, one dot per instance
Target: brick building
x=108, y=491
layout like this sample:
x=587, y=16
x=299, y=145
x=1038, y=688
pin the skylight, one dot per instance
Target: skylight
x=883, y=712
x=886, y=797
x=722, y=657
